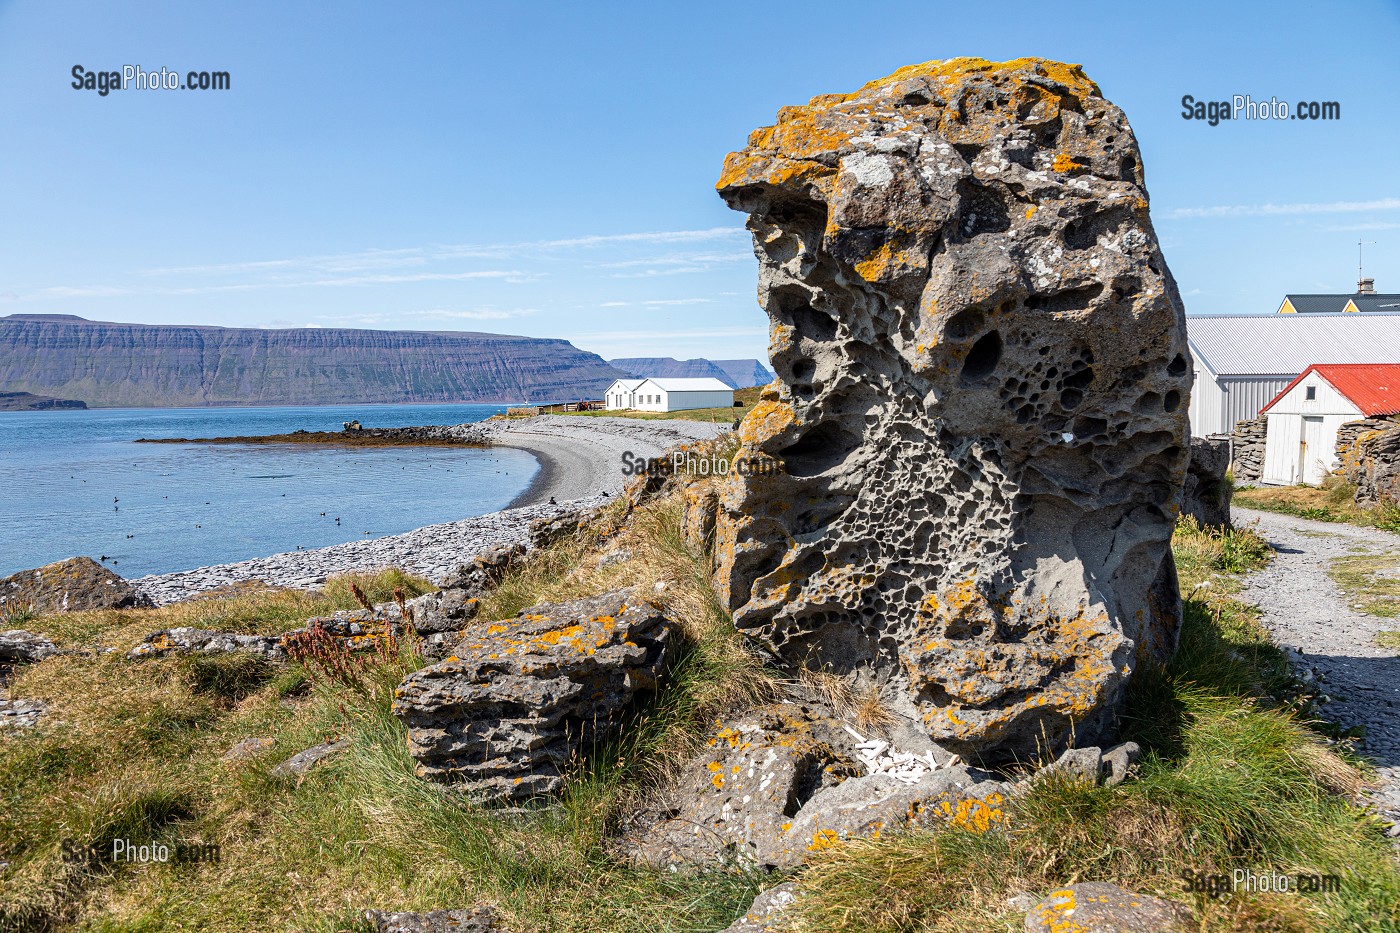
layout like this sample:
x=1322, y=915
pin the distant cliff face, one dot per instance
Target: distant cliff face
x=745, y=374
x=739, y=374
x=137, y=365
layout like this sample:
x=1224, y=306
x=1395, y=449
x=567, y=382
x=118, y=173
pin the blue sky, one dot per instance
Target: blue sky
x=547, y=169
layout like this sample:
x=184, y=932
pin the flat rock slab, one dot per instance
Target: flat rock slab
x=304, y=761
x=1096, y=907
x=518, y=699
x=187, y=640
x=20, y=647
x=778, y=784
x=465, y=920
x=21, y=714
x=73, y=585
x=248, y=748
x=769, y=912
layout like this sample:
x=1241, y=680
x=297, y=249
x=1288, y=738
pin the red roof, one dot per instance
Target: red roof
x=1372, y=387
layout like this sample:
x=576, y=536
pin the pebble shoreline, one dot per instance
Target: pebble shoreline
x=580, y=467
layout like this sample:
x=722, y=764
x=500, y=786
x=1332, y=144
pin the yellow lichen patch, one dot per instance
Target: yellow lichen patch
x=1054, y=912
x=892, y=258
x=1030, y=212
x=760, y=168
x=824, y=839
x=766, y=421
x=1064, y=162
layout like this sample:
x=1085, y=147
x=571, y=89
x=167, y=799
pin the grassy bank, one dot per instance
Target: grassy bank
x=1330, y=502
x=1233, y=778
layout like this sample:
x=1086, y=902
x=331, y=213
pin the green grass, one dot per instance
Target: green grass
x=1370, y=580
x=1330, y=502
x=1233, y=777
x=140, y=759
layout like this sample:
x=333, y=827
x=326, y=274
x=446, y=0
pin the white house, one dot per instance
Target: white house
x=662, y=394
x=622, y=394
x=1244, y=360
x=1303, y=419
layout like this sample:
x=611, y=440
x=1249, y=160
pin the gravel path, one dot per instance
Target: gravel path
x=1329, y=640
x=580, y=464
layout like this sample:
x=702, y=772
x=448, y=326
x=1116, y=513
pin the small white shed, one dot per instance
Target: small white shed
x=622, y=394
x=663, y=394
x=1304, y=417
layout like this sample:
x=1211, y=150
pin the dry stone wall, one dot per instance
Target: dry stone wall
x=1247, y=443
x=980, y=410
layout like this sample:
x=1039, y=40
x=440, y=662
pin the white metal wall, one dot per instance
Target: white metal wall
x=1246, y=395
x=1207, y=405
x=682, y=401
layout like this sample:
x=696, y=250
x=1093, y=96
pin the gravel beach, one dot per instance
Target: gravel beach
x=580, y=466
x=1331, y=642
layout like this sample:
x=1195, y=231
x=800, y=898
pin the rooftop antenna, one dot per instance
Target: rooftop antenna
x=1364, y=286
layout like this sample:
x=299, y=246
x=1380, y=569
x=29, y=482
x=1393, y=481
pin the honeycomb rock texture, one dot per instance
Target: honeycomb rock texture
x=980, y=409
x=522, y=698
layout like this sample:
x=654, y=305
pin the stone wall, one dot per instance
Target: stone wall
x=1247, y=442
x=980, y=410
x=1369, y=451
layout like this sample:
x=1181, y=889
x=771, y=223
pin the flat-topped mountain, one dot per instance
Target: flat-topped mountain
x=741, y=374
x=157, y=365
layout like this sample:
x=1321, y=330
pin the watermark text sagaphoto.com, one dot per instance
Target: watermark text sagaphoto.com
x=125, y=851
x=134, y=77
x=1244, y=107
x=1262, y=881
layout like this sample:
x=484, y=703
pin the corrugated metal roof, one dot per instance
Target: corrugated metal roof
x=1287, y=344
x=1327, y=304
x=1374, y=388
x=705, y=384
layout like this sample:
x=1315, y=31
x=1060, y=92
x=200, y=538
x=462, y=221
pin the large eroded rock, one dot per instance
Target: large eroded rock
x=519, y=699
x=73, y=585
x=980, y=408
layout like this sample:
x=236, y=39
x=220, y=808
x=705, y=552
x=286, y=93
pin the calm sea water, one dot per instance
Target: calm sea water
x=72, y=482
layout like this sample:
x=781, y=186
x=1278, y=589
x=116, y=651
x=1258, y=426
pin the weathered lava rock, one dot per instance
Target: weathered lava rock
x=1372, y=464
x=185, y=640
x=73, y=585
x=1206, y=495
x=980, y=411
x=521, y=697
x=780, y=783
x=21, y=647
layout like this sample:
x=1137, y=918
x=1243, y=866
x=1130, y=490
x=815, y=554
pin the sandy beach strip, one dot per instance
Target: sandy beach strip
x=581, y=462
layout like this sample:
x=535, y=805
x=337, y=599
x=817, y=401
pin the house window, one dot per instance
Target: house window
x=1311, y=394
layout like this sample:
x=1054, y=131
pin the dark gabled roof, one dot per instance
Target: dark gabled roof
x=1330, y=304
x=1376, y=302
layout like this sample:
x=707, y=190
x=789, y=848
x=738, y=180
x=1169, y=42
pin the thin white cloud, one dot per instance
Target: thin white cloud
x=638, y=336
x=1277, y=210
x=1363, y=227
x=335, y=262
x=679, y=301
x=385, y=279
x=652, y=237
x=477, y=314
